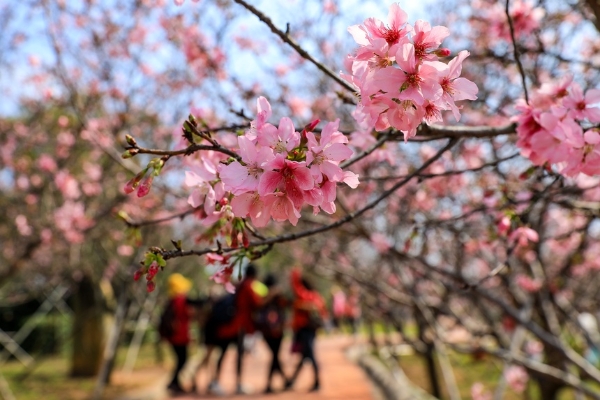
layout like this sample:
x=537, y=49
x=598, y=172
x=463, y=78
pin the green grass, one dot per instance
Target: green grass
x=468, y=371
x=50, y=379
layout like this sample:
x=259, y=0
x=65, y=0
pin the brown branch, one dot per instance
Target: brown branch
x=443, y=132
x=446, y=173
x=189, y=150
x=365, y=153
x=139, y=224
x=595, y=6
x=303, y=53
x=516, y=50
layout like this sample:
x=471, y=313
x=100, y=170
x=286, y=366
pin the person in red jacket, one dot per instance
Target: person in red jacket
x=308, y=314
x=248, y=299
x=179, y=337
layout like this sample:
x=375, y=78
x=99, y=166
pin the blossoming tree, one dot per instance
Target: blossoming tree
x=449, y=169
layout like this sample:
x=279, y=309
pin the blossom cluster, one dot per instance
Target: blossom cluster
x=278, y=171
x=399, y=76
x=557, y=127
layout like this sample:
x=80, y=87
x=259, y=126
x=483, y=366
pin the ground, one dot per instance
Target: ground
x=341, y=378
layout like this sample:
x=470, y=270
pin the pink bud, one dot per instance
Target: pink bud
x=137, y=275
x=442, y=52
x=145, y=186
x=311, y=126
x=152, y=271
x=134, y=182
x=150, y=286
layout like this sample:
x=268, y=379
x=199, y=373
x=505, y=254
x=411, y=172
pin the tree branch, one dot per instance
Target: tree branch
x=303, y=53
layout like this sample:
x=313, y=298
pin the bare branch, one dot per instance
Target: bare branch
x=303, y=53
x=516, y=50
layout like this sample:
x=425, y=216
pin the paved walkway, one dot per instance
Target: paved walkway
x=341, y=378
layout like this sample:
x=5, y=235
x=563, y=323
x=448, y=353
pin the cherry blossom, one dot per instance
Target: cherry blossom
x=551, y=128
x=396, y=69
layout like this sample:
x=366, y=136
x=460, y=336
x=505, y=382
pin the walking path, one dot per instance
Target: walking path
x=341, y=378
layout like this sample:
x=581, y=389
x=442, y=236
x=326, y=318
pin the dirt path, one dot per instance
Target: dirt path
x=340, y=377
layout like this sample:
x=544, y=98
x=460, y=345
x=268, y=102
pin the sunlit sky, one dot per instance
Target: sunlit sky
x=282, y=12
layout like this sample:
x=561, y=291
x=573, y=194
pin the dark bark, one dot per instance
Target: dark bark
x=88, y=329
x=428, y=354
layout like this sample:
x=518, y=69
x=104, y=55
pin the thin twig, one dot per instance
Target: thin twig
x=286, y=38
x=516, y=50
x=180, y=216
x=445, y=173
x=365, y=153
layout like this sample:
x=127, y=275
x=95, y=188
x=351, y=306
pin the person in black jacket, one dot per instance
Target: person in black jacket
x=270, y=322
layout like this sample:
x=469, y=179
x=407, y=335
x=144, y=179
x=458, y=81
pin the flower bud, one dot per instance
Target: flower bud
x=134, y=182
x=137, y=275
x=129, y=153
x=442, y=52
x=150, y=286
x=245, y=240
x=187, y=127
x=152, y=271
x=130, y=140
x=145, y=186
x=312, y=125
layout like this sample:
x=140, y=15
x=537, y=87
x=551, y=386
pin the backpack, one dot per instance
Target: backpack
x=270, y=320
x=166, y=324
x=223, y=310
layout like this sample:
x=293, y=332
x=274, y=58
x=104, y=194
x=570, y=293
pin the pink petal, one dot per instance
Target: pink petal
x=303, y=178
x=269, y=181
x=592, y=96
x=233, y=175
x=396, y=16
x=351, y=179
x=337, y=152
x=332, y=171
x=592, y=136
x=240, y=205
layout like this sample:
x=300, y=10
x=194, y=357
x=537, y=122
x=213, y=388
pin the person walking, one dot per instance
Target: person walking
x=248, y=299
x=271, y=322
x=308, y=314
x=175, y=325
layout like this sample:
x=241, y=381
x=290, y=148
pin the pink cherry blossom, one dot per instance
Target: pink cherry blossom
x=373, y=28
x=287, y=176
x=523, y=236
x=239, y=178
x=223, y=277
x=281, y=140
x=67, y=184
x=282, y=207
x=427, y=39
x=325, y=155
x=381, y=242
x=260, y=122
x=581, y=106
x=454, y=87
x=251, y=204
x=47, y=163
x=516, y=377
x=527, y=283
x=478, y=392
x=412, y=81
